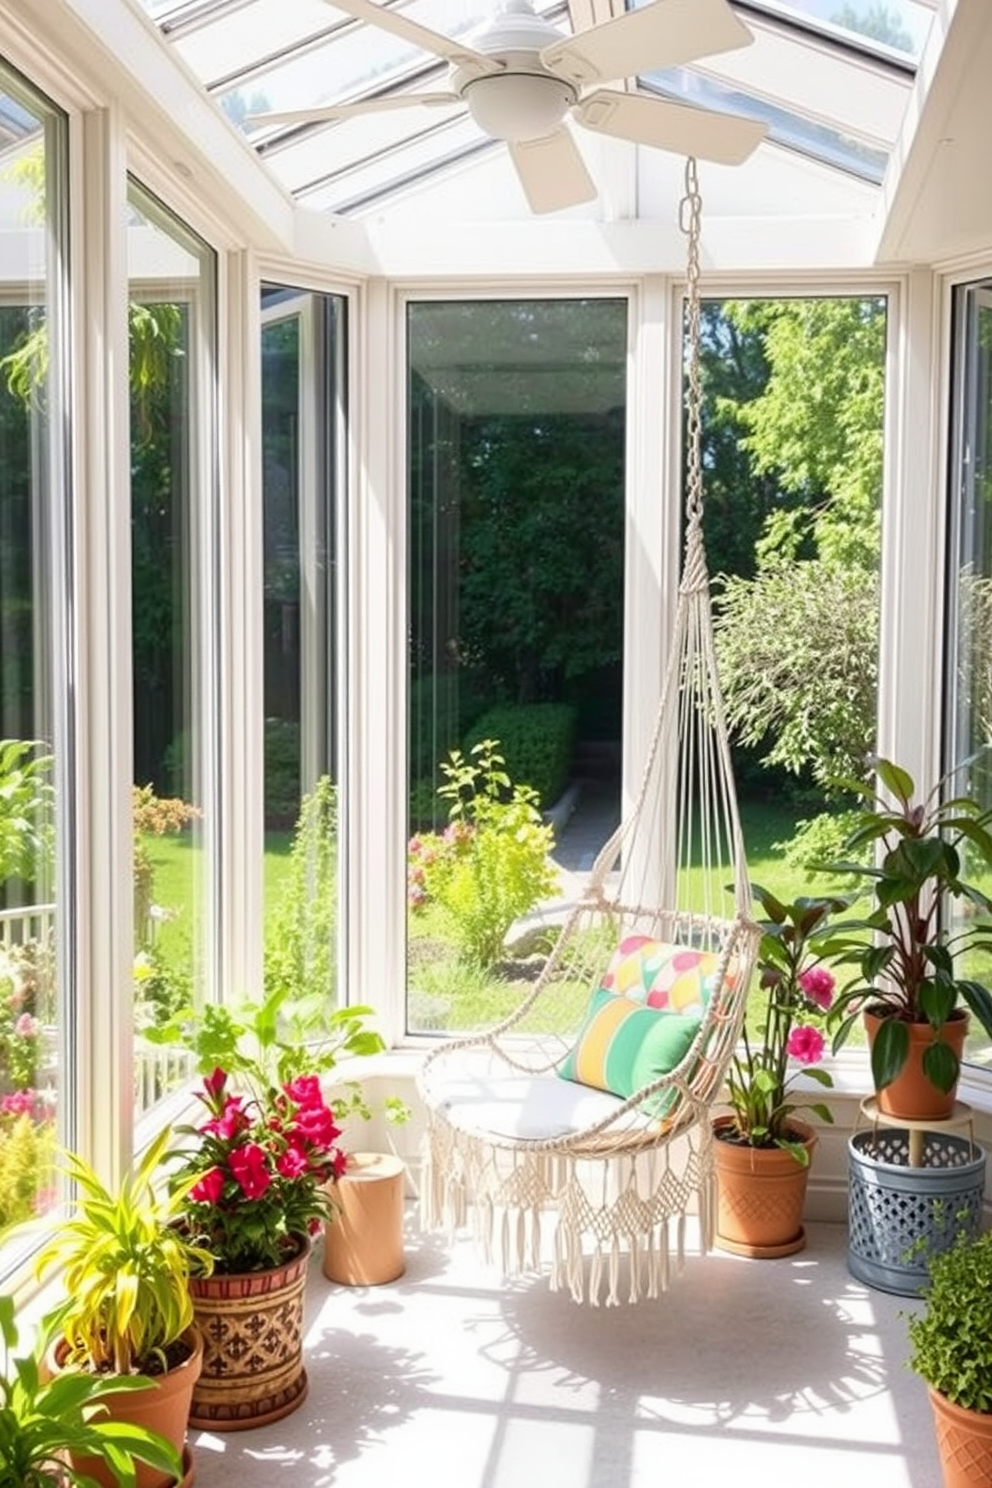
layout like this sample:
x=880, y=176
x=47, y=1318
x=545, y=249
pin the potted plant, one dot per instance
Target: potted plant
x=951, y=1351
x=49, y=1422
x=126, y=1269
x=763, y=1148
x=255, y=1177
x=909, y=984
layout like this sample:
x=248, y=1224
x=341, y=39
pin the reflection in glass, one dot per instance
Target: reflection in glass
x=171, y=328
x=302, y=414
x=969, y=625
x=33, y=684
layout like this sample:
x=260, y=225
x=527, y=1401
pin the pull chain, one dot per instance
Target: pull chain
x=690, y=216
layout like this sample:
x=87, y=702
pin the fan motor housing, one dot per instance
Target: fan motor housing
x=523, y=102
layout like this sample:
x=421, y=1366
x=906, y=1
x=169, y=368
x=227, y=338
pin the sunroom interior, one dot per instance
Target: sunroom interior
x=238, y=353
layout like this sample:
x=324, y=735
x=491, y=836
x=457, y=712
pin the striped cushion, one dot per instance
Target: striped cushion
x=624, y=1045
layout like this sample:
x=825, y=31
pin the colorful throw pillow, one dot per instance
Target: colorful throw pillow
x=662, y=975
x=624, y=1045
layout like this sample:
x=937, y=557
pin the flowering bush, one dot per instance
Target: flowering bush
x=799, y=992
x=261, y=1165
x=491, y=864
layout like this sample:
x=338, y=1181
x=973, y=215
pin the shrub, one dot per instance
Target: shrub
x=491, y=864
x=537, y=741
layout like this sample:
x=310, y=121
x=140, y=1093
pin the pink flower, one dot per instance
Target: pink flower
x=209, y=1188
x=231, y=1121
x=805, y=1044
x=26, y=1026
x=305, y=1091
x=293, y=1162
x=818, y=986
x=214, y=1085
x=250, y=1167
x=18, y=1103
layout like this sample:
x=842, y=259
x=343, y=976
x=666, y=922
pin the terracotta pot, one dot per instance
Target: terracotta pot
x=252, y=1325
x=164, y=1407
x=964, y=1443
x=911, y=1095
x=760, y=1195
x=363, y=1244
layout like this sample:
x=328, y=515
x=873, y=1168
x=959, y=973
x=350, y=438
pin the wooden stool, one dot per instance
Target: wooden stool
x=363, y=1245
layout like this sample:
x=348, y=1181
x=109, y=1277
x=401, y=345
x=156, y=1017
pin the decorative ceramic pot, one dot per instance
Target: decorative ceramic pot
x=761, y=1192
x=252, y=1325
x=964, y=1443
x=911, y=1095
x=164, y=1407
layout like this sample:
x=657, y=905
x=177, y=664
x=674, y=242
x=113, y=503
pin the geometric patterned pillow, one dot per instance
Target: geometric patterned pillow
x=662, y=975
x=624, y=1045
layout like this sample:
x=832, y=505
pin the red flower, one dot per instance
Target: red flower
x=293, y=1162
x=231, y=1121
x=250, y=1167
x=305, y=1091
x=214, y=1085
x=209, y=1188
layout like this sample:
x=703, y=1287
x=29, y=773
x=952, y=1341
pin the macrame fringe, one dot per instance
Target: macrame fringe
x=625, y=1243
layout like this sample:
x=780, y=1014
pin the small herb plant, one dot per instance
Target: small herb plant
x=951, y=1338
x=49, y=1421
x=491, y=864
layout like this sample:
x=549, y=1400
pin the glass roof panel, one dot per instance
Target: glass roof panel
x=822, y=143
x=894, y=27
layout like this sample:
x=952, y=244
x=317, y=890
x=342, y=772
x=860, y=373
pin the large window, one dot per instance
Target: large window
x=517, y=413
x=35, y=753
x=302, y=472
x=171, y=324
x=969, y=629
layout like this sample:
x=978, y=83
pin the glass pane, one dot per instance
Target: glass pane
x=517, y=413
x=171, y=323
x=784, y=126
x=969, y=724
x=302, y=395
x=33, y=686
x=898, y=26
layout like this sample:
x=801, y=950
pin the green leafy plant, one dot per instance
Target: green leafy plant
x=905, y=957
x=125, y=1266
x=27, y=1156
x=491, y=864
x=798, y=990
x=951, y=1338
x=300, y=938
x=27, y=799
x=48, y=1422
x=254, y=1170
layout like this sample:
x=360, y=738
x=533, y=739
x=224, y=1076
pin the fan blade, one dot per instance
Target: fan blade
x=362, y=106
x=389, y=18
x=552, y=172
x=662, y=34
x=727, y=139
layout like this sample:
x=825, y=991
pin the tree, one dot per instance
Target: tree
x=797, y=642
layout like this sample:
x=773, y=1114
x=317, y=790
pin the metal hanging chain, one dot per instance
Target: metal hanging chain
x=690, y=220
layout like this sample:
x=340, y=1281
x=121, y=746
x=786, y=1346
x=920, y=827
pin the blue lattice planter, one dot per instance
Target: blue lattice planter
x=900, y=1214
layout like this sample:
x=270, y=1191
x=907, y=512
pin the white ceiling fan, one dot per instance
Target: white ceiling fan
x=521, y=77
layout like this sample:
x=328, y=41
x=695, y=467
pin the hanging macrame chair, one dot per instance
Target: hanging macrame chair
x=577, y=1133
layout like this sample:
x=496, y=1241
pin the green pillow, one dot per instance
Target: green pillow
x=624, y=1045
